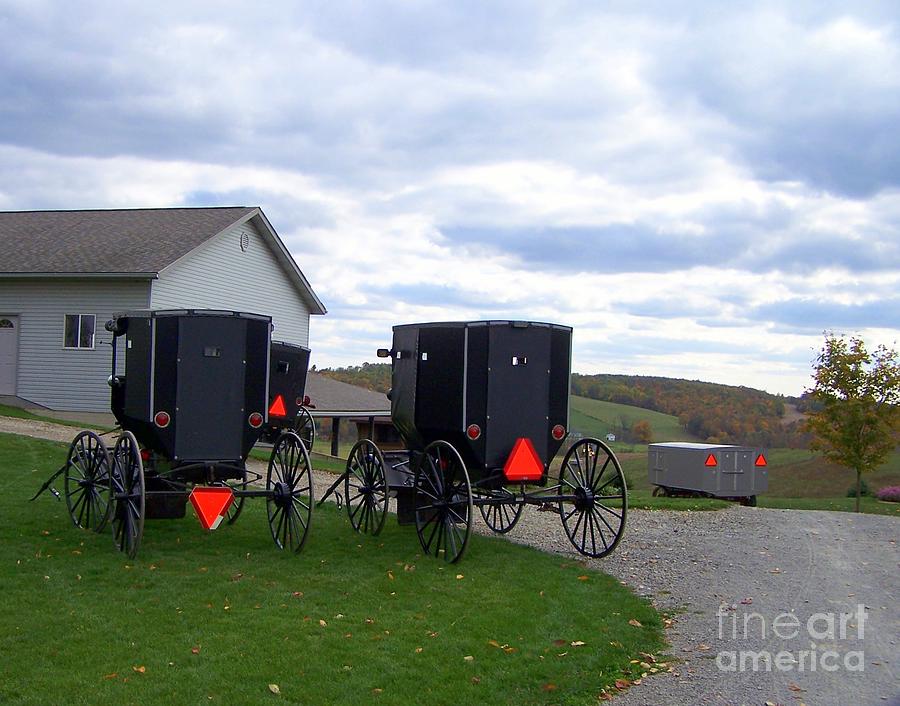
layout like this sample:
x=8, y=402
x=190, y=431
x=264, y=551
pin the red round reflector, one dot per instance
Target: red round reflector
x=162, y=419
x=255, y=420
x=558, y=432
x=145, y=455
x=473, y=431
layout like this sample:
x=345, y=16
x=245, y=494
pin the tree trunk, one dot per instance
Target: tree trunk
x=858, y=487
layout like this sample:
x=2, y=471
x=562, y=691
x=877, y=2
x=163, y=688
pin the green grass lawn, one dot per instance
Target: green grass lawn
x=19, y=413
x=217, y=617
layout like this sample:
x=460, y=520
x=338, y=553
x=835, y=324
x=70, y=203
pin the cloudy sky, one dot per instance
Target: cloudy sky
x=699, y=188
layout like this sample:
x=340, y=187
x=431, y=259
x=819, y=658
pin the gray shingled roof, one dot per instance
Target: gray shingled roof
x=336, y=398
x=128, y=241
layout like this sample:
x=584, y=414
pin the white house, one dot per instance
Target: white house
x=63, y=274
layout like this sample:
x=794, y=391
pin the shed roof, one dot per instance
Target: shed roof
x=333, y=398
x=135, y=242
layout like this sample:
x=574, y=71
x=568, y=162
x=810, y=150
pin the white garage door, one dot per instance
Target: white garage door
x=9, y=350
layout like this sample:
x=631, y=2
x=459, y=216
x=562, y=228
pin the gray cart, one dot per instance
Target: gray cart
x=708, y=470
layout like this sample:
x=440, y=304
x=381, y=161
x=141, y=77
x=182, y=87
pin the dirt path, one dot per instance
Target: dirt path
x=749, y=584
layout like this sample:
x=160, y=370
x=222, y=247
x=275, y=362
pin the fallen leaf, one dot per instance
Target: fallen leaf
x=323, y=623
x=376, y=690
x=297, y=594
x=140, y=670
x=560, y=643
x=775, y=571
x=476, y=680
x=274, y=688
x=369, y=621
x=622, y=683
x=794, y=687
x=459, y=577
x=635, y=623
x=195, y=650
x=493, y=643
x=509, y=650
x=583, y=578
x=111, y=676
x=390, y=575
x=703, y=647
x=747, y=601
x=469, y=658
x=419, y=650
x=577, y=643
x=549, y=687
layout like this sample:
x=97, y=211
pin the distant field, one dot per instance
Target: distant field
x=597, y=418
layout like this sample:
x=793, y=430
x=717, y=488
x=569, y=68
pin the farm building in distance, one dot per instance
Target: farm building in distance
x=63, y=274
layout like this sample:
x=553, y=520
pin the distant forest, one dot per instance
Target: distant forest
x=715, y=413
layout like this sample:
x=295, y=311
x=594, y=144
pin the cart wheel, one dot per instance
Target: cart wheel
x=443, y=502
x=591, y=480
x=501, y=516
x=660, y=491
x=128, y=490
x=365, y=488
x=237, y=503
x=749, y=501
x=290, y=492
x=305, y=428
x=88, y=482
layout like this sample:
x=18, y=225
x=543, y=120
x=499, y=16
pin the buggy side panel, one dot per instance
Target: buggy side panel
x=440, y=391
x=560, y=384
x=403, y=384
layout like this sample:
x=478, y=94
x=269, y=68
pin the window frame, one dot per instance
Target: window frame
x=78, y=346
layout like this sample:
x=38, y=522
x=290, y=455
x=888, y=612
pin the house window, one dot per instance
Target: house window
x=80, y=330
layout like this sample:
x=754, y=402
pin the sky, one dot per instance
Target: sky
x=700, y=189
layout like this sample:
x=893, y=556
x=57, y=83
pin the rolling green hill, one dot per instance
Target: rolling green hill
x=597, y=418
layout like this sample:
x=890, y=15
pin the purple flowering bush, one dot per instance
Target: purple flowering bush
x=891, y=493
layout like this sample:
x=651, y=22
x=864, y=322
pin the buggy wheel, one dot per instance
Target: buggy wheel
x=660, y=491
x=237, y=504
x=499, y=514
x=593, y=498
x=305, y=428
x=128, y=490
x=88, y=482
x=290, y=497
x=443, y=502
x=365, y=488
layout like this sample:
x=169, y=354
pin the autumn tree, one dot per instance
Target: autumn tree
x=858, y=393
x=642, y=431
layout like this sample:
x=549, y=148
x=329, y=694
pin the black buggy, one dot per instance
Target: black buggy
x=191, y=404
x=483, y=407
x=288, y=403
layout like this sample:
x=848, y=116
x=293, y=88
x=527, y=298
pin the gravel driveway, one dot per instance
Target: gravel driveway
x=745, y=583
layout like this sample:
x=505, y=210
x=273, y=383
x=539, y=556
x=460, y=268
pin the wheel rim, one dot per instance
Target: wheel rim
x=88, y=482
x=305, y=428
x=443, y=502
x=128, y=489
x=593, y=498
x=365, y=488
x=500, y=517
x=290, y=500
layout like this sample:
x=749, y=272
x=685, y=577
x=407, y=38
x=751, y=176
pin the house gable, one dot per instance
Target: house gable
x=239, y=269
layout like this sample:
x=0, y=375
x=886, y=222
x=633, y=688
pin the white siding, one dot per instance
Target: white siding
x=219, y=275
x=49, y=374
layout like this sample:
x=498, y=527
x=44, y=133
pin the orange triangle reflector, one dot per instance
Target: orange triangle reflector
x=523, y=463
x=761, y=461
x=711, y=461
x=211, y=504
x=277, y=409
